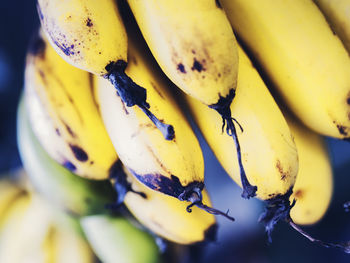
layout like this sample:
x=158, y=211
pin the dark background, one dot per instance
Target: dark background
x=241, y=241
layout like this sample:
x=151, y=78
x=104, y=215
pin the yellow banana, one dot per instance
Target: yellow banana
x=174, y=167
x=70, y=246
x=114, y=239
x=337, y=14
x=300, y=54
x=91, y=36
x=25, y=231
x=195, y=46
x=64, y=115
x=269, y=153
x=313, y=187
x=64, y=189
x=167, y=216
x=9, y=193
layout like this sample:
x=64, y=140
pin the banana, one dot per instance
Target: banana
x=176, y=167
x=25, y=230
x=9, y=193
x=313, y=187
x=167, y=216
x=70, y=246
x=64, y=115
x=195, y=46
x=269, y=152
x=298, y=51
x=91, y=36
x=74, y=194
x=114, y=239
x=337, y=14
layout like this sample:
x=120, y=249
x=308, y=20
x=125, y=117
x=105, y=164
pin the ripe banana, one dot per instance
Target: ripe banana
x=24, y=232
x=91, y=36
x=313, y=187
x=70, y=246
x=174, y=167
x=195, y=46
x=167, y=216
x=114, y=239
x=9, y=193
x=299, y=52
x=269, y=153
x=337, y=14
x=66, y=190
x=64, y=115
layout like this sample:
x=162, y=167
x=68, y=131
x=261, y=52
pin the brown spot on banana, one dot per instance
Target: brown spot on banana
x=157, y=90
x=181, y=68
x=68, y=128
x=79, y=153
x=299, y=193
x=284, y=174
x=89, y=22
x=198, y=66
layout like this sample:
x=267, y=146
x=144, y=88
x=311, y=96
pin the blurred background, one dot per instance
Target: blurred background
x=241, y=241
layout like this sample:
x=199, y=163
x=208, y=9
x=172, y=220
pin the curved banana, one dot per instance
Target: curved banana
x=167, y=216
x=314, y=185
x=91, y=36
x=114, y=239
x=269, y=153
x=172, y=167
x=337, y=14
x=64, y=115
x=66, y=190
x=195, y=46
x=308, y=64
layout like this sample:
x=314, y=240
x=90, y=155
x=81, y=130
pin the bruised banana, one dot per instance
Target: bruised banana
x=269, y=153
x=313, y=187
x=195, y=46
x=167, y=216
x=114, y=239
x=90, y=35
x=176, y=167
x=337, y=14
x=64, y=115
x=298, y=51
x=69, y=192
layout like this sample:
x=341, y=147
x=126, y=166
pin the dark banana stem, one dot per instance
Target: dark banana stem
x=133, y=94
x=342, y=246
x=121, y=185
x=196, y=199
x=223, y=108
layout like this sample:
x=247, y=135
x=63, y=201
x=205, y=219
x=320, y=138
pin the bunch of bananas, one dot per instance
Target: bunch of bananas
x=86, y=147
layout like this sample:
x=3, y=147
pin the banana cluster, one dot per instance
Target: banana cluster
x=87, y=148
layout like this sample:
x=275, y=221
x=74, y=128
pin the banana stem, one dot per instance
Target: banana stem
x=278, y=208
x=121, y=184
x=196, y=199
x=133, y=94
x=342, y=246
x=223, y=108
